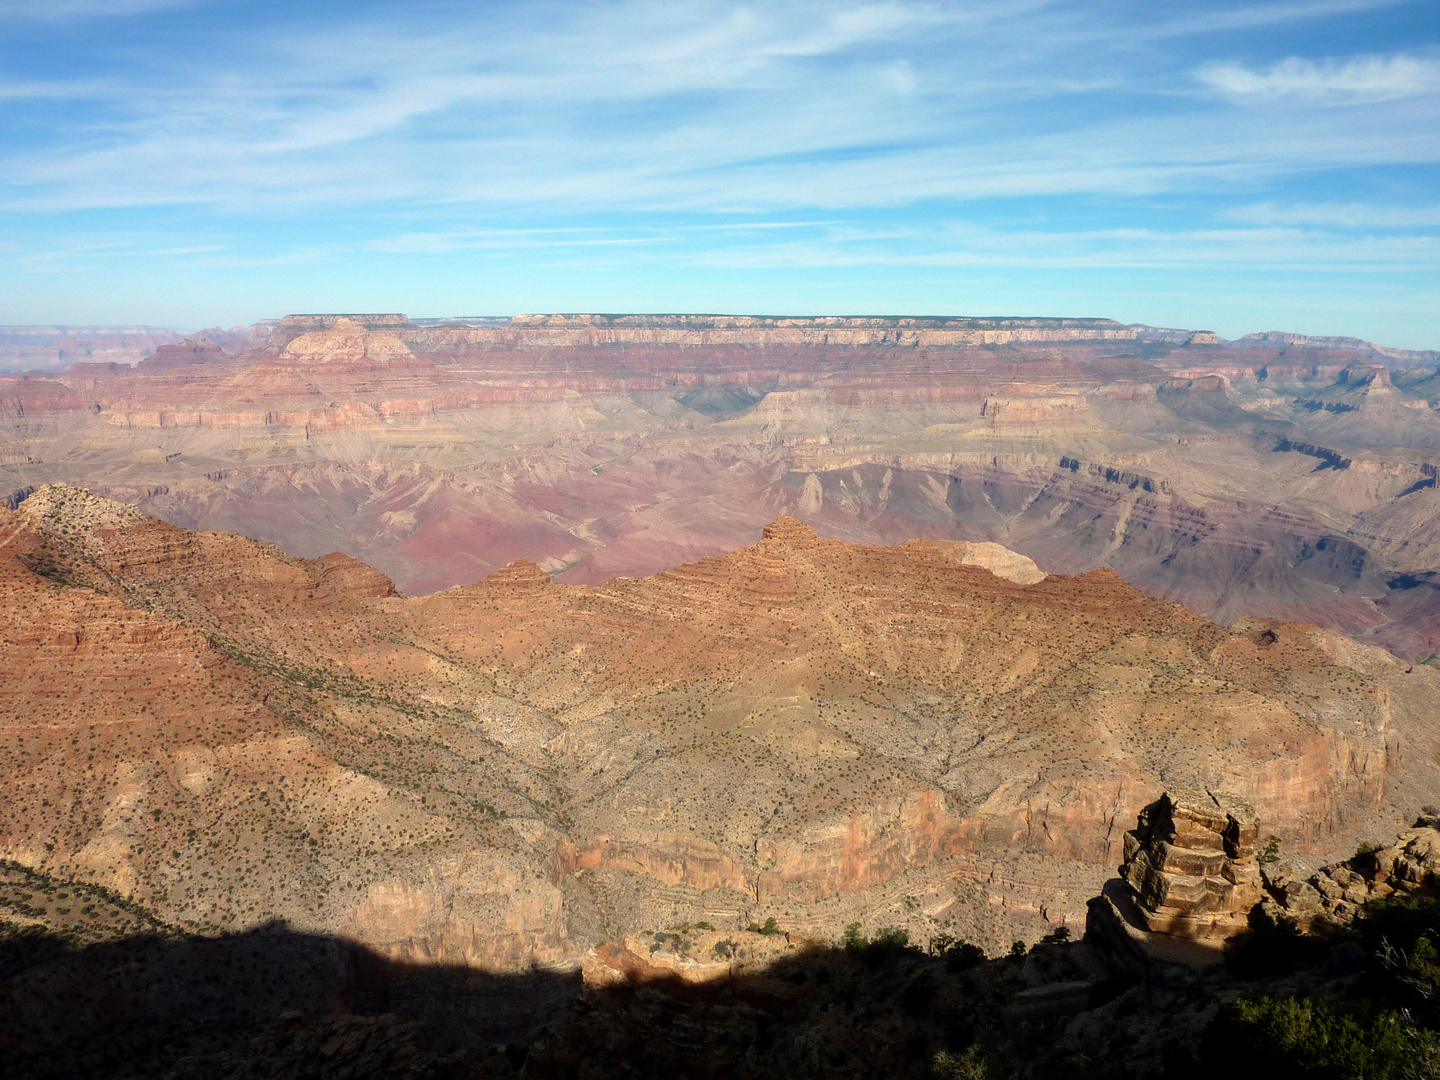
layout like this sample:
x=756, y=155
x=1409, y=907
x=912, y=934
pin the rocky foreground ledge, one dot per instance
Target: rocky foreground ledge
x=1197, y=927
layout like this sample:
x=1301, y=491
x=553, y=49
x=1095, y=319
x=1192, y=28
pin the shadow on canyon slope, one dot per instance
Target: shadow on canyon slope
x=139, y=1005
x=273, y=1002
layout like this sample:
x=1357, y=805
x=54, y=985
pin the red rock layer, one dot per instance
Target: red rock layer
x=488, y=773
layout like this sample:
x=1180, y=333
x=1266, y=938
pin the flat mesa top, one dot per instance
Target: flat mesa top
x=825, y=322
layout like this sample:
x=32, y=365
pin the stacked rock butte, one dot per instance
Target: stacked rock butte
x=1191, y=880
x=1190, y=865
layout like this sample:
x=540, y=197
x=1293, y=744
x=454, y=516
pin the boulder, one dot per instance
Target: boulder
x=1335, y=894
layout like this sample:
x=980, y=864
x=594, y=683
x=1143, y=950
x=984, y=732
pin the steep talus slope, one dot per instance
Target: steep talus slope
x=176, y=726
x=502, y=773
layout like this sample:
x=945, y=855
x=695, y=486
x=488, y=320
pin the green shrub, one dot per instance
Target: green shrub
x=1314, y=1037
x=891, y=937
x=958, y=954
x=1271, y=947
x=888, y=941
x=1403, y=936
x=978, y=1061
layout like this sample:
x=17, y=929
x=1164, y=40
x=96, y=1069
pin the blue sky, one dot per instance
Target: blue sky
x=1229, y=166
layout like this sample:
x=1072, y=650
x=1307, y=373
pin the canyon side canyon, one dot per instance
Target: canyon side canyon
x=1276, y=476
x=934, y=735
x=482, y=644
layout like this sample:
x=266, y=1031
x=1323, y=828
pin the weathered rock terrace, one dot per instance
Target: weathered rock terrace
x=1275, y=479
x=806, y=728
x=1333, y=895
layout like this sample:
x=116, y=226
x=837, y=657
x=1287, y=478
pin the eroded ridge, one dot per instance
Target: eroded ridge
x=501, y=774
x=1278, y=475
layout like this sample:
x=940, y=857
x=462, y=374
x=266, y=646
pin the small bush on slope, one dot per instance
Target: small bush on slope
x=1318, y=1039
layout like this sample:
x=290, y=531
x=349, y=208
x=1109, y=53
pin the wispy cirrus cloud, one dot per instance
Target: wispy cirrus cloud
x=451, y=131
x=968, y=245
x=1339, y=215
x=1357, y=79
x=56, y=90
x=510, y=240
x=835, y=243
x=61, y=10
x=1220, y=18
x=711, y=107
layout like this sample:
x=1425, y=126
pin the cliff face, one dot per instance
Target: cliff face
x=806, y=728
x=1278, y=478
x=711, y=330
x=347, y=341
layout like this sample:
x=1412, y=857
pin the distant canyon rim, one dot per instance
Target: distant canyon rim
x=1277, y=475
x=484, y=642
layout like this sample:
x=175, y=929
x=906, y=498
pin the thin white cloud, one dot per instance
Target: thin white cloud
x=965, y=245
x=853, y=149
x=370, y=113
x=956, y=243
x=1214, y=19
x=706, y=108
x=56, y=89
x=1339, y=215
x=440, y=242
x=1361, y=78
x=60, y=10
x=119, y=245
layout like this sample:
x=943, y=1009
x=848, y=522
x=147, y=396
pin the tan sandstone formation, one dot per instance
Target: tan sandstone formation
x=690, y=957
x=1189, y=882
x=346, y=341
x=1333, y=895
x=1190, y=864
x=502, y=774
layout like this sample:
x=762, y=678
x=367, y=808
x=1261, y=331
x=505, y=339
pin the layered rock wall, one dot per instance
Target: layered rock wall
x=1335, y=894
x=1190, y=864
x=804, y=726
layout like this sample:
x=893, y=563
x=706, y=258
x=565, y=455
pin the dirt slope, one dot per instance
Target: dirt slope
x=508, y=772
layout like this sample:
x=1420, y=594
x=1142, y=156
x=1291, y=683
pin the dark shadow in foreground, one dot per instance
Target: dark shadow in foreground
x=139, y=1005
x=276, y=1003
x=272, y=1002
